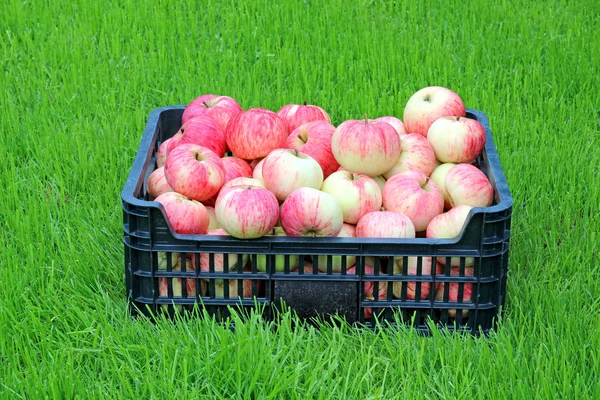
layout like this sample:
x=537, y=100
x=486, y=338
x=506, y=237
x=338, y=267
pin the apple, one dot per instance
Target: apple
x=194, y=171
x=438, y=176
x=234, y=291
x=257, y=172
x=456, y=139
x=296, y=115
x=174, y=142
x=203, y=131
x=185, y=215
x=379, y=178
x=261, y=259
x=314, y=139
x=385, y=224
x=254, y=162
x=219, y=108
x=157, y=183
x=163, y=260
x=357, y=194
x=244, y=181
x=219, y=259
x=429, y=104
x=396, y=123
x=449, y=225
x=161, y=153
x=285, y=170
x=310, y=212
x=411, y=287
x=417, y=155
x=453, y=289
x=195, y=105
x=467, y=185
x=348, y=230
x=235, y=167
x=308, y=269
x=214, y=223
x=255, y=133
x=418, y=198
x=417, y=175
x=366, y=146
x=247, y=212
x=369, y=288
x=177, y=288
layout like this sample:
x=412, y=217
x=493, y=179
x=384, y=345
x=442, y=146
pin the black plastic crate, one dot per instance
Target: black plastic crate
x=151, y=248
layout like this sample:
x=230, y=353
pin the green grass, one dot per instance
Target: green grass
x=77, y=82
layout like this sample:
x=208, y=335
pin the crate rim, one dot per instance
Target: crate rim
x=135, y=179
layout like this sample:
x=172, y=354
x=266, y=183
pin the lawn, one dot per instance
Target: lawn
x=78, y=80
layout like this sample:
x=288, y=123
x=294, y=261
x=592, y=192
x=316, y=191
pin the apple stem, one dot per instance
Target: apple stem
x=305, y=102
x=426, y=183
x=205, y=104
x=366, y=119
x=458, y=118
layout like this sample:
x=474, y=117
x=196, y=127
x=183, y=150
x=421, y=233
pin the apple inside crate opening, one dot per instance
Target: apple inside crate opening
x=377, y=220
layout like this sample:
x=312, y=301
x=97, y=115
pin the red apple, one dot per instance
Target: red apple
x=185, y=215
x=247, y=212
x=369, y=288
x=416, y=155
x=396, y=123
x=219, y=259
x=348, y=230
x=314, y=139
x=456, y=139
x=177, y=287
x=173, y=142
x=366, y=146
x=357, y=194
x=195, y=105
x=255, y=133
x=429, y=104
x=161, y=153
x=296, y=115
x=202, y=131
x=244, y=181
x=411, y=287
x=453, y=291
x=467, y=185
x=286, y=170
x=255, y=162
x=235, y=167
x=219, y=108
x=310, y=212
x=385, y=224
x=419, y=199
x=194, y=171
x=449, y=225
x=157, y=183
x=308, y=268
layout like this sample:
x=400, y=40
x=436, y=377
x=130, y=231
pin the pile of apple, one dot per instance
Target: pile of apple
x=255, y=172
